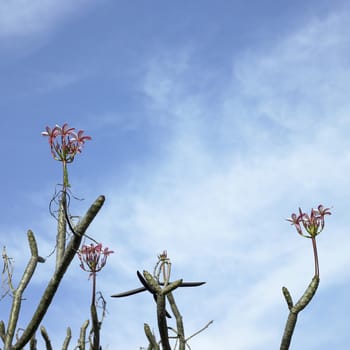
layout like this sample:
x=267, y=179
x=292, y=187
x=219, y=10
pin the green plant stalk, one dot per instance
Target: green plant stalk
x=67, y=339
x=314, y=248
x=153, y=345
x=46, y=338
x=62, y=221
x=2, y=331
x=82, y=335
x=162, y=323
x=33, y=343
x=17, y=295
x=94, y=317
x=179, y=322
x=295, y=309
x=61, y=229
x=54, y=283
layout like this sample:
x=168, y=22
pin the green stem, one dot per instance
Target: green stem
x=17, y=295
x=162, y=323
x=65, y=176
x=62, y=221
x=289, y=330
x=153, y=345
x=94, y=316
x=54, y=283
x=179, y=322
x=314, y=247
x=61, y=229
x=295, y=309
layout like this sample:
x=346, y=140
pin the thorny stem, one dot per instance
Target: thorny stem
x=155, y=289
x=67, y=339
x=162, y=323
x=2, y=331
x=17, y=295
x=295, y=309
x=81, y=341
x=61, y=228
x=53, y=284
x=32, y=343
x=153, y=345
x=46, y=338
x=62, y=217
x=179, y=324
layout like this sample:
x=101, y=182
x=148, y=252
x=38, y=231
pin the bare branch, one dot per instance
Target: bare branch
x=179, y=324
x=7, y=273
x=82, y=337
x=53, y=284
x=61, y=229
x=201, y=330
x=33, y=343
x=17, y=297
x=2, y=331
x=151, y=338
x=95, y=328
x=295, y=309
x=46, y=338
x=67, y=339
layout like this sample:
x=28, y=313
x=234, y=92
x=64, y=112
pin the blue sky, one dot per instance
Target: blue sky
x=211, y=124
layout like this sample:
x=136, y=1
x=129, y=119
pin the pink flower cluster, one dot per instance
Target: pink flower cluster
x=313, y=223
x=65, y=143
x=93, y=258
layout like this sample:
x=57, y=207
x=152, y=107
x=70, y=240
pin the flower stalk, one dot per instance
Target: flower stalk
x=92, y=259
x=308, y=226
x=65, y=143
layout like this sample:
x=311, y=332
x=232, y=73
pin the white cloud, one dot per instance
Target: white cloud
x=304, y=79
x=220, y=211
x=231, y=173
x=20, y=18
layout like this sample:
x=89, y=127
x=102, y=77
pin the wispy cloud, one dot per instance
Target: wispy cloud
x=303, y=79
x=234, y=166
x=220, y=210
x=22, y=18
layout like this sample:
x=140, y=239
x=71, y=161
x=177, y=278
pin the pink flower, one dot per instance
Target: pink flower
x=65, y=143
x=93, y=258
x=313, y=223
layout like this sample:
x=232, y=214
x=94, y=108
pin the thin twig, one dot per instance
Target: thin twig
x=7, y=273
x=201, y=330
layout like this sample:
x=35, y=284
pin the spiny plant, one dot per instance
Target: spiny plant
x=65, y=143
x=308, y=226
x=161, y=288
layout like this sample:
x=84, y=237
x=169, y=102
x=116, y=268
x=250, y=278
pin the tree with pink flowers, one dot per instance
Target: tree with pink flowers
x=65, y=144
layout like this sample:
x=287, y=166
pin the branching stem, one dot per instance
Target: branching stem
x=53, y=284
